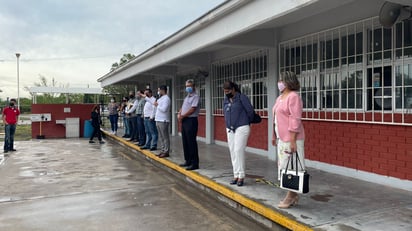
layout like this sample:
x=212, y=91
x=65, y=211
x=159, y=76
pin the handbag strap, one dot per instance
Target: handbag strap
x=296, y=162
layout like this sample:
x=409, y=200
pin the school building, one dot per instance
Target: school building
x=355, y=75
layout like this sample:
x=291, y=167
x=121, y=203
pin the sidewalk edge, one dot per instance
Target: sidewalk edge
x=244, y=201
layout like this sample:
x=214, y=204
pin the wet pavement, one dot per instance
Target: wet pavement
x=69, y=184
x=334, y=202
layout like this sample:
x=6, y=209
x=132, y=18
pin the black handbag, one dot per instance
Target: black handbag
x=294, y=180
x=256, y=118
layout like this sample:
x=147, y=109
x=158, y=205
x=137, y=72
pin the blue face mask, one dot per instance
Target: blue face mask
x=189, y=90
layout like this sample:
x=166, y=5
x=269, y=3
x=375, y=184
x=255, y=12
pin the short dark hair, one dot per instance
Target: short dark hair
x=13, y=99
x=149, y=90
x=229, y=85
x=291, y=80
x=163, y=87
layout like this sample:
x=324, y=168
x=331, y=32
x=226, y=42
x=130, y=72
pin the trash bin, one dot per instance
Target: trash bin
x=88, y=129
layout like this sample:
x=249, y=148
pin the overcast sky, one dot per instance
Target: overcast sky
x=77, y=41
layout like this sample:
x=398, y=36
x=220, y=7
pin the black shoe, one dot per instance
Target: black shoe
x=101, y=142
x=153, y=149
x=13, y=150
x=240, y=182
x=91, y=142
x=185, y=164
x=192, y=167
x=6, y=151
x=144, y=147
x=234, y=181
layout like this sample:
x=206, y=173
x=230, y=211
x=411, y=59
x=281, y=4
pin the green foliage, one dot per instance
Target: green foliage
x=123, y=60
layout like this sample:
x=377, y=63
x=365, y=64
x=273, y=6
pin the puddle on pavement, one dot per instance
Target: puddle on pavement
x=321, y=198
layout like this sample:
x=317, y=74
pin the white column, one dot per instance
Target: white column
x=273, y=72
x=174, y=108
x=209, y=113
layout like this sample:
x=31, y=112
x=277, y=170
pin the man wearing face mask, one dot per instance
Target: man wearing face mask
x=162, y=119
x=10, y=118
x=130, y=111
x=187, y=116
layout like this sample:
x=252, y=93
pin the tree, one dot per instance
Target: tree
x=126, y=58
x=120, y=90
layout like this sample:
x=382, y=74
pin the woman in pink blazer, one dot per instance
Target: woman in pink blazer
x=289, y=134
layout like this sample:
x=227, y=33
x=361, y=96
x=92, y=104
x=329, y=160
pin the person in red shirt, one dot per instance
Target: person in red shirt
x=10, y=118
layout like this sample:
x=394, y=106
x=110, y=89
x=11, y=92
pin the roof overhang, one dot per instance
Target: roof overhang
x=62, y=90
x=234, y=25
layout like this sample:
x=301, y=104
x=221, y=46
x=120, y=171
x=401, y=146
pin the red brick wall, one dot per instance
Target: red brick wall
x=201, y=128
x=258, y=136
x=53, y=130
x=381, y=149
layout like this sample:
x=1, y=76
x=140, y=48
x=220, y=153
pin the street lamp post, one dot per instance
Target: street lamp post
x=18, y=82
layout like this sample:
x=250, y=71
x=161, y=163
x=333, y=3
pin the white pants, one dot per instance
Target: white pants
x=284, y=157
x=237, y=142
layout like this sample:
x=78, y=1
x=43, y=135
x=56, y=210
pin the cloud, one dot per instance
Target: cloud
x=77, y=41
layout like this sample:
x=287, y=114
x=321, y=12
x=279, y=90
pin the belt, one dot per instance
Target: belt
x=146, y=117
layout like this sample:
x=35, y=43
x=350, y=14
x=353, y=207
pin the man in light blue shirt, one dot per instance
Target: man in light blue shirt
x=187, y=115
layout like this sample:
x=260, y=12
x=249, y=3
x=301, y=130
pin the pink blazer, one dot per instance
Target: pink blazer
x=289, y=117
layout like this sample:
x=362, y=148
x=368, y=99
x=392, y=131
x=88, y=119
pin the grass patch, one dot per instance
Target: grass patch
x=23, y=132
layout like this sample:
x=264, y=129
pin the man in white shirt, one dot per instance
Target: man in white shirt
x=162, y=119
x=131, y=112
x=149, y=112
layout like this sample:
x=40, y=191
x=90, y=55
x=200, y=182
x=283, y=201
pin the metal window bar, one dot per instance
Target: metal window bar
x=362, y=65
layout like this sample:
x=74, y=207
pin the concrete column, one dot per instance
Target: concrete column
x=209, y=113
x=174, y=107
x=273, y=92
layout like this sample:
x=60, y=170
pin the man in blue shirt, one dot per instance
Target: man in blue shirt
x=187, y=115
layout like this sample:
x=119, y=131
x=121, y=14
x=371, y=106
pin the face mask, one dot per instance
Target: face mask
x=112, y=100
x=11, y=104
x=229, y=95
x=281, y=86
x=189, y=90
x=158, y=93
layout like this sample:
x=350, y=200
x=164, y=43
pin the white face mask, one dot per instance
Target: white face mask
x=158, y=93
x=112, y=100
x=281, y=86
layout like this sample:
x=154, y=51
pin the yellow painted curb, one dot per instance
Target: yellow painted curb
x=248, y=203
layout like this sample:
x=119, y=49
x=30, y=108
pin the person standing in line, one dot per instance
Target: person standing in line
x=162, y=119
x=289, y=134
x=131, y=112
x=125, y=117
x=10, y=119
x=238, y=112
x=141, y=134
x=96, y=122
x=149, y=112
x=113, y=115
x=187, y=116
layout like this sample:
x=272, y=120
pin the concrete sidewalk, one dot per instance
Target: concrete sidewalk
x=334, y=202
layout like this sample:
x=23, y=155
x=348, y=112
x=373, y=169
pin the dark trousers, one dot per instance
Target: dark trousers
x=141, y=130
x=9, y=131
x=133, y=128
x=96, y=132
x=189, y=134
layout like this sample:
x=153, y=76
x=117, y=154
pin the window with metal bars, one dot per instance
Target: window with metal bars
x=356, y=72
x=249, y=71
